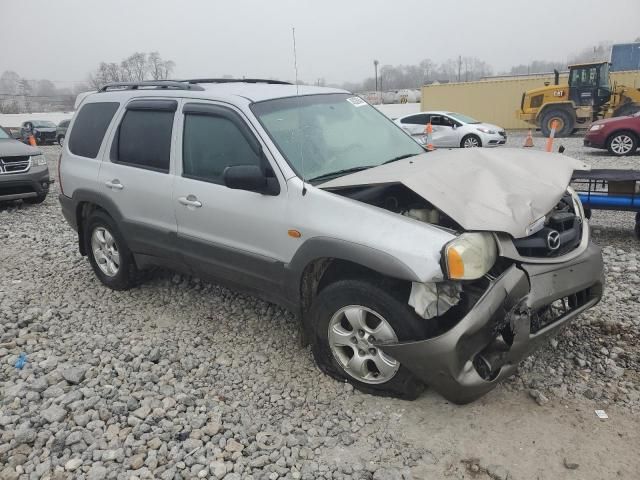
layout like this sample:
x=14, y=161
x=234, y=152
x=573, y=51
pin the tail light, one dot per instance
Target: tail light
x=59, y=174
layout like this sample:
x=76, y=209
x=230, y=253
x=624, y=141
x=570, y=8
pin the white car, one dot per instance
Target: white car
x=452, y=129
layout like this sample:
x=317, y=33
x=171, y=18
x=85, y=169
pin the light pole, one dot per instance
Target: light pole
x=375, y=69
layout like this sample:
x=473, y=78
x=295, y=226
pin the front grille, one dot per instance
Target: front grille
x=559, y=309
x=14, y=164
x=46, y=136
x=562, y=232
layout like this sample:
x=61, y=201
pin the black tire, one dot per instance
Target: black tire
x=565, y=119
x=35, y=200
x=402, y=319
x=127, y=274
x=629, y=138
x=468, y=137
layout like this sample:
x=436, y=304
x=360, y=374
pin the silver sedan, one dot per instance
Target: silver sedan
x=452, y=129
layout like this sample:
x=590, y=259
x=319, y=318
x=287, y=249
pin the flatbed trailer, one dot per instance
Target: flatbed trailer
x=609, y=189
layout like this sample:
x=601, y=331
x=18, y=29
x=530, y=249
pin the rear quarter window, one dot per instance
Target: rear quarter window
x=90, y=127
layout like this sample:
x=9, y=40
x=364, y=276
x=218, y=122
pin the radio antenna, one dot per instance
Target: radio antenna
x=295, y=66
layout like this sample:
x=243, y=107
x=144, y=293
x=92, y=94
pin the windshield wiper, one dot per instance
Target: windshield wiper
x=339, y=173
x=400, y=157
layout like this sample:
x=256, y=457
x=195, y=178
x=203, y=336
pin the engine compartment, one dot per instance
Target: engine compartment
x=397, y=198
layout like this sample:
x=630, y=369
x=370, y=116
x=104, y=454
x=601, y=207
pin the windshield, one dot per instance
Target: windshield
x=3, y=134
x=43, y=124
x=462, y=118
x=332, y=133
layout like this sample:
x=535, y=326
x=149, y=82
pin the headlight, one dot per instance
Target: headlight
x=577, y=203
x=38, y=160
x=596, y=127
x=486, y=130
x=470, y=256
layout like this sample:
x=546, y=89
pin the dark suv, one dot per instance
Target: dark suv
x=23, y=171
x=44, y=131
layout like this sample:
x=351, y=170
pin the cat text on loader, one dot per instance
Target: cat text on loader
x=588, y=96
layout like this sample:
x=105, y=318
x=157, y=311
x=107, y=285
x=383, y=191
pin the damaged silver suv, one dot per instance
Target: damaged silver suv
x=405, y=267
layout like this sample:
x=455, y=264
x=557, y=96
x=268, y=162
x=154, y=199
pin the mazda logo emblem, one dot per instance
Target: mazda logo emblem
x=553, y=240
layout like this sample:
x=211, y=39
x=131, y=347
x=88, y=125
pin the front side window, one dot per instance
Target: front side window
x=89, y=128
x=144, y=139
x=332, y=134
x=212, y=143
x=462, y=118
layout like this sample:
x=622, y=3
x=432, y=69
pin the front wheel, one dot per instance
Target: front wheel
x=565, y=123
x=622, y=143
x=470, y=141
x=108, y=253
x=351, y=318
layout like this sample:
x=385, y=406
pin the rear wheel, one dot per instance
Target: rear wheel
x=108, y=253
x=351, y=318
x=565, y=123
x=470, y=141
x=622, y=143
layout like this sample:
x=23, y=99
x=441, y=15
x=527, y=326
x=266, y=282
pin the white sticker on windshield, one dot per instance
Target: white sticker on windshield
x=356, y=101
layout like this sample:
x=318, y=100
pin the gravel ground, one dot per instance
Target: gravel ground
x=184, y=379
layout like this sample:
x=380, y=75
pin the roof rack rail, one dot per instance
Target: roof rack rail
x=150, y=84
x=235, y=80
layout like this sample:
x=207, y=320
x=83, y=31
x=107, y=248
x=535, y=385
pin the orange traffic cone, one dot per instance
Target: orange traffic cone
x=552, y=134
x=528, y=141
x=429, y=131
x=32, y=141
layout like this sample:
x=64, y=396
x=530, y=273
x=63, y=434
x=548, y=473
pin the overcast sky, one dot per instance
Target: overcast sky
x=336, y=40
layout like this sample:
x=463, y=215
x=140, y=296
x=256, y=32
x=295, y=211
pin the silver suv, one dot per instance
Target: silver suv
x=405, y=267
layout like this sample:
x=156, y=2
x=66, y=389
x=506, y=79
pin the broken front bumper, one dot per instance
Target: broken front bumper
x=456, y=363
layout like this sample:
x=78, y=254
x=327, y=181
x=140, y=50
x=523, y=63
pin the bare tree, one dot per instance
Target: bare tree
x=600, y=52
x=135, y=68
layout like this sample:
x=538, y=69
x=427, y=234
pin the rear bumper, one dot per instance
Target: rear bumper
x=456, y=363
x=30, y=184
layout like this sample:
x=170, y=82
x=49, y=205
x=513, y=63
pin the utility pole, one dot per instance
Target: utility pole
x=375, y=69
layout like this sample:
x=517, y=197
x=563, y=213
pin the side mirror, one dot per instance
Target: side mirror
x=454, y=126
x=250, y=178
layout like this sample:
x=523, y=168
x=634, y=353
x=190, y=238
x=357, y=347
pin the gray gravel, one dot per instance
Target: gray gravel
x=184, y=379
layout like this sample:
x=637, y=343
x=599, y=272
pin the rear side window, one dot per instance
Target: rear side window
x=89, y=128
x=212, y=143
x=416, y=120
x=144, y=139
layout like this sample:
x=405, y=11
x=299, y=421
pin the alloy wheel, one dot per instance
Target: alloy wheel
x=354, y=333
x=622, y=144
x=105, y=251
x=471, y=142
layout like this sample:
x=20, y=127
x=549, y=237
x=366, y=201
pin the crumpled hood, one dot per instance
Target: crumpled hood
x=14, y=148
x=499, y=190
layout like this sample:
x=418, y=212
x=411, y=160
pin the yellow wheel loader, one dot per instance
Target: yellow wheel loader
x=588, y=96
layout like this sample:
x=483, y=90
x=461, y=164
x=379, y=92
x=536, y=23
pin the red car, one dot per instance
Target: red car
x=619, y=135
